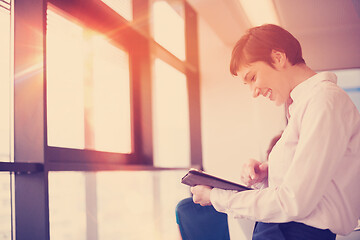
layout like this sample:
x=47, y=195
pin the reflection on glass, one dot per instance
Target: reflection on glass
x=65, y=90
x=5, y=207
x=169, y=27
x=67, y=206
x=88, y=89
x=349, y=80
x=122, y=7
x=171, y=129
x=111, y=98
x=4, y=85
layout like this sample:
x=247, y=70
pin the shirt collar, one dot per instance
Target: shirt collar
x=307, y=85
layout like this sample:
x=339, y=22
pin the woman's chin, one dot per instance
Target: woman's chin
x=278, y=103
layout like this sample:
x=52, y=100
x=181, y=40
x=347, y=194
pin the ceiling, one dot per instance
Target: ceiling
x=328, y=30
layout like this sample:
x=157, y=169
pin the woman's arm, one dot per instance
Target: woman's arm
x=324, y=135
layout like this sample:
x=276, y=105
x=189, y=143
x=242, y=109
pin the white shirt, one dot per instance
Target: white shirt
x=314, y=169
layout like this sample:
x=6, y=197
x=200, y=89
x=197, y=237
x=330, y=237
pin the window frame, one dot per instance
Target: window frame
x=54, y=154
x=32, y=158
x=142, y=50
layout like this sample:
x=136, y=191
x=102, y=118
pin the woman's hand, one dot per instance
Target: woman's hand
x=254, y=172
x=201, y=195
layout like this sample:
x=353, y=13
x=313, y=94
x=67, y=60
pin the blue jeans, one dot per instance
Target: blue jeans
x=290, y=231
x=205, y=223
x=201, y=223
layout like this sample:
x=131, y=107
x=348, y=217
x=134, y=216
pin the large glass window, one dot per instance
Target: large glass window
x=170, y=117
x=113, y=118
x=5, y=79
x=88, y=89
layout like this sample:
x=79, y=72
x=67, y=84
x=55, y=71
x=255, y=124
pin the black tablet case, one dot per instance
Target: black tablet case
x=196, y=177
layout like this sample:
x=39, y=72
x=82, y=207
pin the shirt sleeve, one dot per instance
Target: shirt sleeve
x=323, y=139
x=261, y=185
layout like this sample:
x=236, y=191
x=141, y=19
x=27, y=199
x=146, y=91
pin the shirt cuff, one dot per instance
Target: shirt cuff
x=219, y=199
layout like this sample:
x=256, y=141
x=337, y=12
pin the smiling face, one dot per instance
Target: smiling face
x=267, y=81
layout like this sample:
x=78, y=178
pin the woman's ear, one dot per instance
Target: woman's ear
x=279, y=59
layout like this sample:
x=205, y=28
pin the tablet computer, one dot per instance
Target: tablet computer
x=196, y=177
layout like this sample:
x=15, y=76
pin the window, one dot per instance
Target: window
x=112, y=125
x=170, y=117
x=67, y=206
x=5, y=121
x=88, y=89
x=169, y=26
x=5, y=84
x=169, y=183
x=125, y=206
x=65, y=87
x=112, y=205
x=5, y=207
x=87, y=119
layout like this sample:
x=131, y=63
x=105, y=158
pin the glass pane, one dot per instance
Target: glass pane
x=349, y=80
x=67, y=206
x=171, y=129
x=169, y=26
x=65, y=87
x=111, y=98
x=5, y=207
x=122, y=7
x=125, y=205
x=171, y=192
x=88, y=89
x=143, y=209
x=115, y=205
x=5, y=80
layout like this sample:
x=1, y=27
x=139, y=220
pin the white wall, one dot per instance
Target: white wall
x=235, y=126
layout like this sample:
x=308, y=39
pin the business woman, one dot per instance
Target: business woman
x=313, y=170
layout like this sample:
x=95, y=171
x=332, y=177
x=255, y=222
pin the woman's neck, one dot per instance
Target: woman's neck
x=298, y=74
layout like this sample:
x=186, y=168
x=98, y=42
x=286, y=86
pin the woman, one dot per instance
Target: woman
x=313, y=170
